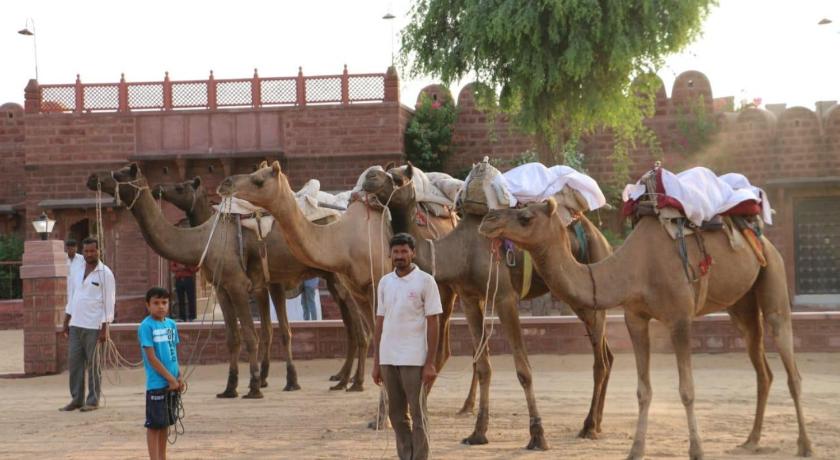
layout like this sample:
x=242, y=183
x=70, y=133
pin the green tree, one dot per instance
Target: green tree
x=428, y=136
x=561, y=68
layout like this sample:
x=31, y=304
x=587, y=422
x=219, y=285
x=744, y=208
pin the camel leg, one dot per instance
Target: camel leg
x=278, y=294
x=772, y=295
x=266, y=332
x=238, y=292
x=363, y=338
x=595, y=322
x=232, y=341
x=469, y=403
x=746, y=316
x=473, y=309
x=341, y=297
x=509, y=317
x=681, y=339
x=638, y=327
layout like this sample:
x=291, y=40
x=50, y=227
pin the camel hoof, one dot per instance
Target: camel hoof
x=339, y=386
x=335, y=378
x=263, y=384
x=696, y=454
x=588, y=433
x=356, y=387
x=537, y=443
x=475, y=439
x=253, y=394
x=804, y=449
x=228, y=394
x=291, y=387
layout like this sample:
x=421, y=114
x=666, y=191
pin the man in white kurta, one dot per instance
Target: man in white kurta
x=406, y=344
x=89, y=310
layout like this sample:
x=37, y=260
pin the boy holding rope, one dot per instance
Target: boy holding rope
x=158, y=337
x=406, y=344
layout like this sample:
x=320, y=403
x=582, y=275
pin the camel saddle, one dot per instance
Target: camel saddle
x=742, y=223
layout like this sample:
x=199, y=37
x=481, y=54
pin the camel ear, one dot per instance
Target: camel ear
x=196, y=182
x=133, y=169
x=391, y=165
x=275, y=168
x=263, y=164
x=551, y=207
x=409, y=171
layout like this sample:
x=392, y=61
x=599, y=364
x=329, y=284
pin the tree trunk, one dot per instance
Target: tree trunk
x=551, y=153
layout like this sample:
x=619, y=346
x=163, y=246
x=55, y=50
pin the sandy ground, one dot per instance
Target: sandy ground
x=11, y=361
x=317, y=423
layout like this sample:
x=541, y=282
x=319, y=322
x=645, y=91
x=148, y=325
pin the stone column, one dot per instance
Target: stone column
x=44, y=275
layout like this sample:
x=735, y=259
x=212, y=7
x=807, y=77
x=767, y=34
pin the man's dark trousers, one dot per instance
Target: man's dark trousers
x=80, y=351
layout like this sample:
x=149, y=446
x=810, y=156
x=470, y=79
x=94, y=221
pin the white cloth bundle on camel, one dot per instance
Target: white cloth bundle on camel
x=534, y=182
x=704, y=195
x=438, y=191
x=574, y=191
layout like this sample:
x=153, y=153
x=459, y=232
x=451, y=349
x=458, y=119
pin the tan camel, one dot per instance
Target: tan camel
x=462, y=261
x=354, y=247
x=186, y=245
x=285, y=271
x=646, y=277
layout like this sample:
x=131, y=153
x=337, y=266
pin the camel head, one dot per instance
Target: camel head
x=182, y=194
x=260, y=188
x=392, y=185
x=128, y=180
x=527, y=227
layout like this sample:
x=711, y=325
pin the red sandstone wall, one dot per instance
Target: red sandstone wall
x=813, y=332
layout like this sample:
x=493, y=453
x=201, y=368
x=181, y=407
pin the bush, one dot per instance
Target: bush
x=428, y=136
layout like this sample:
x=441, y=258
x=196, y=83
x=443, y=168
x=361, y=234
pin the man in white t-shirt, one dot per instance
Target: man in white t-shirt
x=408, y=306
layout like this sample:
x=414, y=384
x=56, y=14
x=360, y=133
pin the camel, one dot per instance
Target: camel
x=647, y=279
x=462, y=261
x=192, y=198
x=354, y=247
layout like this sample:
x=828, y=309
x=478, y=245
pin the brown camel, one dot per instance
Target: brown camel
x=646, y=277
x=354, y=247
x=462, y=261
x=192, y=198
x=221, y=264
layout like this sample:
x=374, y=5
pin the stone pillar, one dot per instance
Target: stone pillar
x=392, y=85
x=44, y=275
x=32, y=97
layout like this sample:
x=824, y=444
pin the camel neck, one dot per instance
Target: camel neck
x=201, y=211
x=169, y=241
x=314, y=245
x=615, y=277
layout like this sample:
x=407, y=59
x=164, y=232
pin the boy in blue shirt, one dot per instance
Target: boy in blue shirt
x=158, y=336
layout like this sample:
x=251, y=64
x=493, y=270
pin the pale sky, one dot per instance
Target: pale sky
x=771, y=49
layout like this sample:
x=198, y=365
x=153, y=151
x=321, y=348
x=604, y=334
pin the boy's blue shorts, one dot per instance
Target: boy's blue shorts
x=161, y=408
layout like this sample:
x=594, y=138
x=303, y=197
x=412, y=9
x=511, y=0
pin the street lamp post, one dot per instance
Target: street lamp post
x=31, y=33
x=390, y=18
